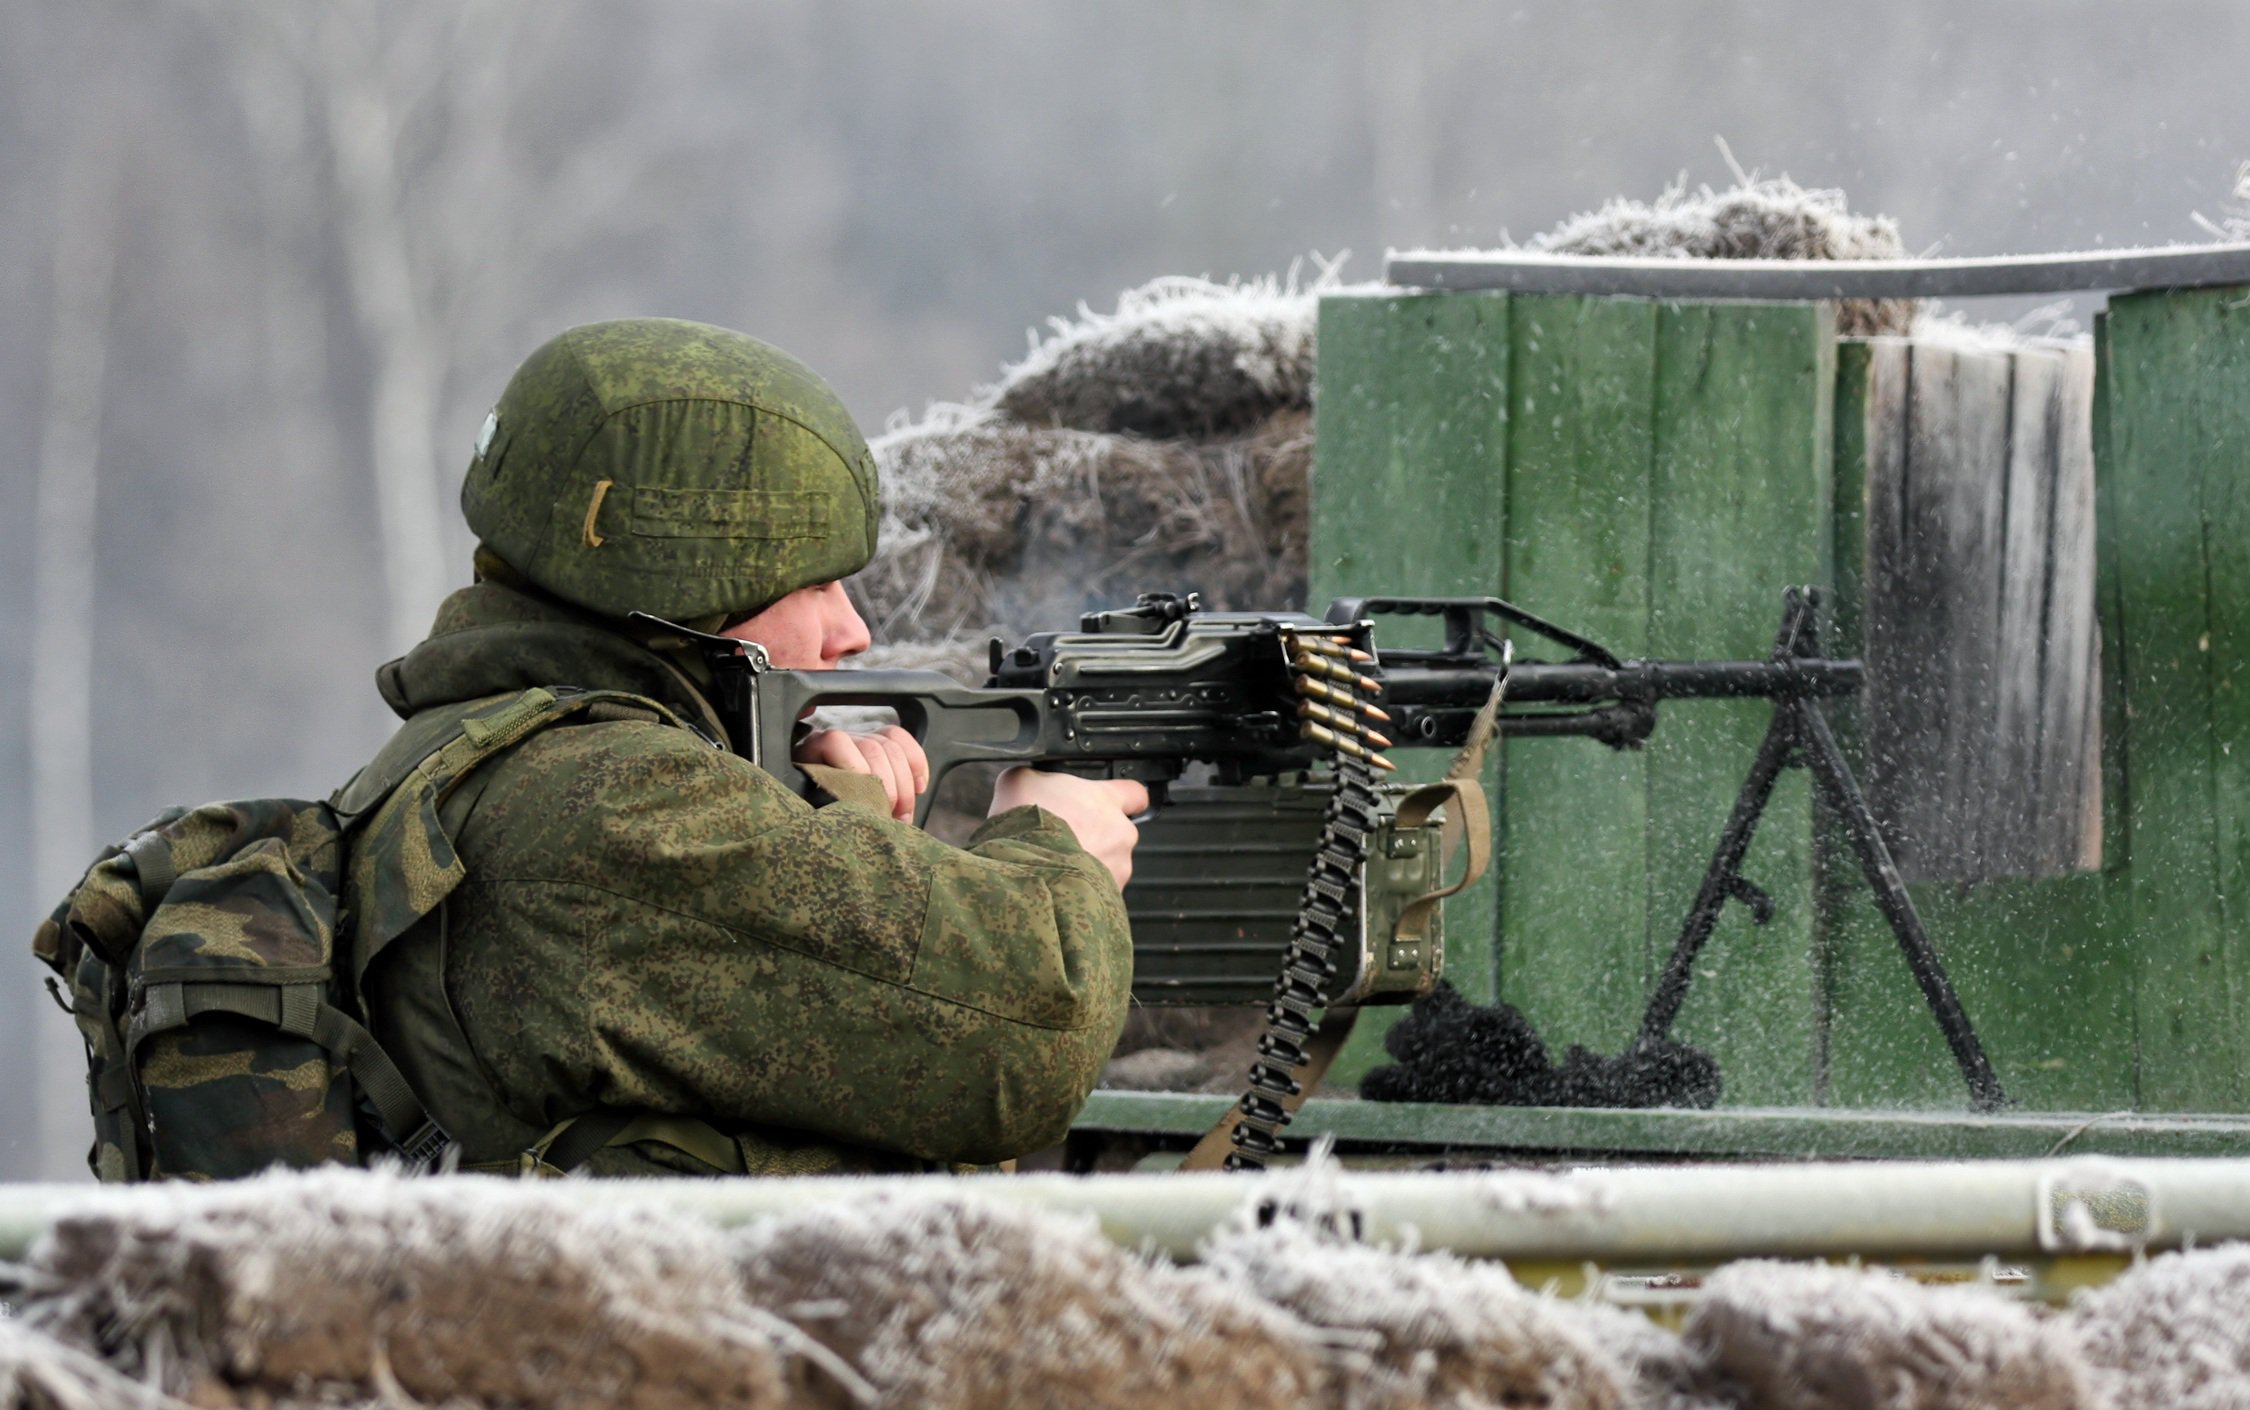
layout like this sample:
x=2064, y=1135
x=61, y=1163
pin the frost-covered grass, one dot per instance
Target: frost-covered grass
x=1162, y=445
x=2234, y=220
x=1754, y=219
x=345, y=1288
x=1177, y=357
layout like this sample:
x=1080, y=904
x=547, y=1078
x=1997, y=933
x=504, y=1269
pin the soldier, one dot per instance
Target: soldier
x=662, y=959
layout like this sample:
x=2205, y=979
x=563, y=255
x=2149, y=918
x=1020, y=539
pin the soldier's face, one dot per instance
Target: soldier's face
x=809, y=630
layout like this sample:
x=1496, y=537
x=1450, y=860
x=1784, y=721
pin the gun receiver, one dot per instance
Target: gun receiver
x=1140, y=693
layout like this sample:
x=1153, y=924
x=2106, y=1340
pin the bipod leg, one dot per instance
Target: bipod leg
x=1835, y=779
x=1722, y=879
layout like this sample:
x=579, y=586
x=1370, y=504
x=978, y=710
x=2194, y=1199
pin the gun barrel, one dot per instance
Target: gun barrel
x=1412, y=683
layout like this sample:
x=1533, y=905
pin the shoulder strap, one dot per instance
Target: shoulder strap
x=402, y=863
x=1210, y=1153
x=1467, y=818
x=303, y=1011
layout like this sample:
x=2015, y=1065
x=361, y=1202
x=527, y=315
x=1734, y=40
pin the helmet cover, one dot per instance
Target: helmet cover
x=675, y=468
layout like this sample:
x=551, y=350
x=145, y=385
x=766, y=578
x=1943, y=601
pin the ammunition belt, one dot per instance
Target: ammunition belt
x=1335, y=677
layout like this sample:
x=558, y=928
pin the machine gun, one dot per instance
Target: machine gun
x=1283, y=719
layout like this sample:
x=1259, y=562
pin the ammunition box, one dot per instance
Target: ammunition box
x=1217, y=879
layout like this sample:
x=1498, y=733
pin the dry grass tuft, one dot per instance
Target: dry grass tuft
x=1404, y=1329
x=992, y=527
x=943, y=1301
x=37, y=1373
x=1163, y=446
x=1661, y=1371
x=1814, y=1337
x=2174, y=1332
x=349, y=1289
x=1772, y=219
x=1179, y=358
x=353, y=1286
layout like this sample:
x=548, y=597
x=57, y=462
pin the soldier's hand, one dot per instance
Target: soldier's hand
x=890, y=754
x=1098, y=810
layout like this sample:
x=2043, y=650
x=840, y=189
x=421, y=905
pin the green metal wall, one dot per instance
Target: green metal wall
x=1654, y=474
x=2175, y=436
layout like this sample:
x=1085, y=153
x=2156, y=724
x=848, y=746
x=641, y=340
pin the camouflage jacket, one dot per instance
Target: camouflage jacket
x=650, y=922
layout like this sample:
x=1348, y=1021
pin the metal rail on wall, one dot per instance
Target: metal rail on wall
x=1528, y=272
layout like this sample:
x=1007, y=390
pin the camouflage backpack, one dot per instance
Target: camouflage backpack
x=213, y=976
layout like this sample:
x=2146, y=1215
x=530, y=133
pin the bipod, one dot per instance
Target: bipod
x=1800, y=738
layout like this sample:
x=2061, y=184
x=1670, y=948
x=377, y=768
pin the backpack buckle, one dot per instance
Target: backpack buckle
x=426, y=1147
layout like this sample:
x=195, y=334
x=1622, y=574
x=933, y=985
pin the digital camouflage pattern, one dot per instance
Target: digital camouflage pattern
x=645, y=921
x=199, y=956
x=674, y=468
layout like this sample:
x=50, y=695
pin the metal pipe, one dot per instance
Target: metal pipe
x=1525, y=272
x=1620, y=1217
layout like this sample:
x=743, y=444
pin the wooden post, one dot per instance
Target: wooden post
x=1964, y=544
x=1979, y=586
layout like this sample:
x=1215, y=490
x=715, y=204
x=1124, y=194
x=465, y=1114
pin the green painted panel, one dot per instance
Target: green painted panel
x=2043, y=970
x=2175, y=446
x=2109, y=606
x=2201, y=361
x=1574, y=873
x=2117, y=828
x=2010, y=947
x=1741, y=505
x=1842, y=622
x=1409, y=497
x=1783, y=1133
x=1835, y=869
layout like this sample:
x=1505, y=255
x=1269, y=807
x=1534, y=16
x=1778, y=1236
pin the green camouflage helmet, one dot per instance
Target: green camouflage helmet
x=654, y=465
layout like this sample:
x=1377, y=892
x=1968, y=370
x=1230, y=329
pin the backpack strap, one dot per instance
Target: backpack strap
x=153, y=869
x=402, y=863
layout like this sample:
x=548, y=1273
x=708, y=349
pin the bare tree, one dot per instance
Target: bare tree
x=394, y=145
x=331, y=93
x=83, y=261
